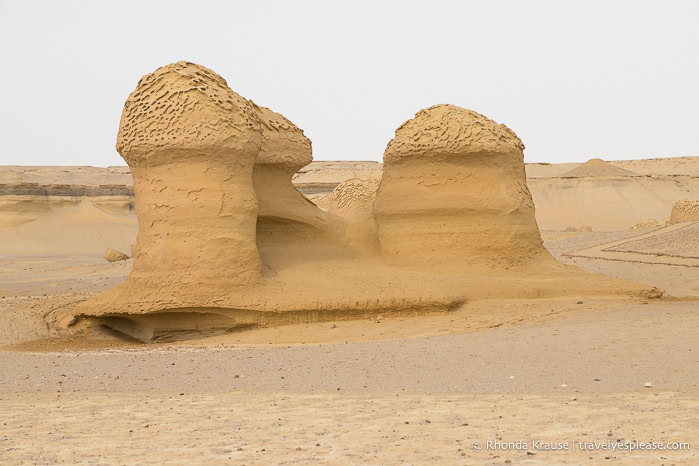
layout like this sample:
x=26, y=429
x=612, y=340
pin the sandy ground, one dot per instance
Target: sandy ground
x=676, y=280
x=388, y=392
x=574, y=378
x=385, y=428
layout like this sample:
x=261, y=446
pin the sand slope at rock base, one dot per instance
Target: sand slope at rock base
x=338, y=291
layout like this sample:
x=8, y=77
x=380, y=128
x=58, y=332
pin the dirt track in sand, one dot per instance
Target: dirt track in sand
x=657, y=247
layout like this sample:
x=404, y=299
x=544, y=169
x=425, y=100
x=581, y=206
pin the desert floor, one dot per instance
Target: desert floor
x=552, y=371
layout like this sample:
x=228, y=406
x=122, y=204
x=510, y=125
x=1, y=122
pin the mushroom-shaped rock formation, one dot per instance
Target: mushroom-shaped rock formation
x=288, y=224
x=202, y=157
x=354, y=198
x=191, y=143
x=454, y=191
x=686, y=210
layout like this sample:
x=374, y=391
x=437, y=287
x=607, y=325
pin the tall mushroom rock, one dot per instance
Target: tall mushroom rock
x=191, y=143
x=454, y=191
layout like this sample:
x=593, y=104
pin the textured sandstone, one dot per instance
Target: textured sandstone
x=685, y=211
x=289, y=226
x=283, y=143
x=353, y=199
x=454, y=190
x=190, y=143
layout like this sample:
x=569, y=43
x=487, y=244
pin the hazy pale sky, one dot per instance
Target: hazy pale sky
x=575, y=80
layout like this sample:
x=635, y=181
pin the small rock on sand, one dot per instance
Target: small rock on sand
x=112, y=255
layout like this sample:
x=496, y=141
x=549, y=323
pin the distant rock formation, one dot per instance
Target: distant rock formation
x=647, y=224
x=353, y=199
x=686, y=210
x=454, y=190
x=596, y=167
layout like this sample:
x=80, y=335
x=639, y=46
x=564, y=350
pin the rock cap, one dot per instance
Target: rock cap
x=450, y=130
x=182, y=107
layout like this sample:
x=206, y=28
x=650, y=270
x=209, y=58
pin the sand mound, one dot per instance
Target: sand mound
x=596, y=167
x=454, y=189
x=685, y=211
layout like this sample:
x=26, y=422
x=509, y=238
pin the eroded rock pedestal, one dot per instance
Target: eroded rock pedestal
x=454, y=190
x=191, y=144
